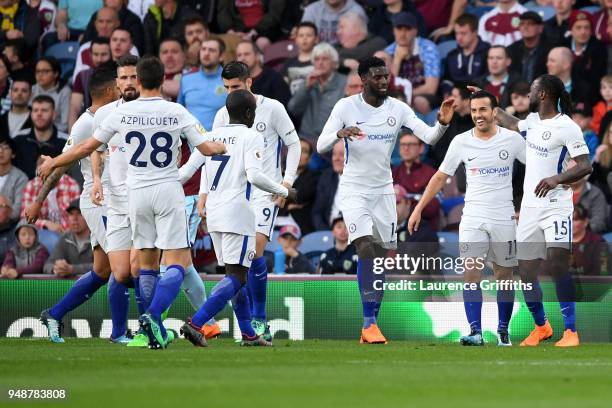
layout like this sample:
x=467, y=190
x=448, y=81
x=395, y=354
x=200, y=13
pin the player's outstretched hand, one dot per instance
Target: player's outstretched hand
x=292, y=196
x=445, y=114
x=545, y=185
x=45, y=168
x=350, y=133
x=473, y=88
x=414, y=221
x=32, y=212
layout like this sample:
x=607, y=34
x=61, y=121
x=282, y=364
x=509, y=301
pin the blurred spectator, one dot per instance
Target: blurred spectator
x=127, y=20
x=121, y=44
x=404, y=203
x=326, y=205
x=500, y=79
x=194, y=34
x=266, y=81
x=602, y=164
x=381, y=18
x=202, y=92
x=17, y=120
x=593, y=200
x=588, y=247
x=519, y=99
x=461, y=122
x=559, y=63
x=140, y=7
x=172, y=56
x=589, y=63
x=164, y=19
x=440, y=15
x=20, y=21
x=582, y=114
x=5, y=84
x=100, y=53
x=325, y=14
x=306, y=185
x=15, y=53
x=467, y=62
x=413, y=175
x=296, y=69
x=342, y=258
x=604, y=106
x=43, y=138
x=202, y=252
x=49, y=82
x=53, y=215
x=258, y=21
x=12, y=183
x=71, y=20
x=354, y=85
x=556, y=29
x=529, y=54
x=290, y=239
x=27, y=256
x=600, y=20
x=72, y=254
x=354, y=42
x=47, y=10
x=500, y=26
x=315, y=98
x=7, y=233
x=414, y=58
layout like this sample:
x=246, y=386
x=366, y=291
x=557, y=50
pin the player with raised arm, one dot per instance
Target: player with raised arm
x=151, y=127
x=229, y=181
x=545, y=222
x=488, y=228
x=103, y=90
x=274, y=124
x=368, y=124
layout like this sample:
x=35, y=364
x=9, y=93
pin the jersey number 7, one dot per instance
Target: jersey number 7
x=157, y=148
x=223, y=159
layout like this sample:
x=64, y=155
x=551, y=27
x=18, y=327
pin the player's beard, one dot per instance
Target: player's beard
x=130, y=94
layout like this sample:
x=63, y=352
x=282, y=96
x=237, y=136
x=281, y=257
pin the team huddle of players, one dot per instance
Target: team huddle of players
x=135, y=205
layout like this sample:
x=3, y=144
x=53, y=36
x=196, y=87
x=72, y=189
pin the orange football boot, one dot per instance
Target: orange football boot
x=540, y=333
x=372, y=335
x=211, y=330
x=569, y=339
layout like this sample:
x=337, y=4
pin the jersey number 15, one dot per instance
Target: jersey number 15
x=157, y=150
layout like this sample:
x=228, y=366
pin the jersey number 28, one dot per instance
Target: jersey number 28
x=158, y=149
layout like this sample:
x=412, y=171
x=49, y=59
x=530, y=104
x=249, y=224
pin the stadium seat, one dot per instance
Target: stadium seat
x=449, y=203
x=315, y=243
x=545, y=12
x=66, y=54
x=591, y=9
x=277, y=53
x=479, y=11
x=273, y=244
x=445, y=47
x=48, y=239
x=608, y=237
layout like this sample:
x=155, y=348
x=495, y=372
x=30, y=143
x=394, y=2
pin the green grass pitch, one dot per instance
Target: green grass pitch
x=310, y=374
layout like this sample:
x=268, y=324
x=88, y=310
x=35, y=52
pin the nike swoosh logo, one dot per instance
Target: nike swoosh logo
x=261, y=225
x=360, y=123
x=559, y=239
x=471, y=158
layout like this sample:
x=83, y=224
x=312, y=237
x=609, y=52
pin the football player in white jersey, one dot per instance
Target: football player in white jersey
x=151, y=128
x=367, y=124
x=229, y=182
x=273, y=123
x=545, y=222
x=487, y=231
x=103, y=90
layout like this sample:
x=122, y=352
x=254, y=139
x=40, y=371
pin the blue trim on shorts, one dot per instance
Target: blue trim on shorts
x=561, y=159
x=346, y=151
x=272, y=223
x=245, y=241
x=248, y=191
x=104, y=221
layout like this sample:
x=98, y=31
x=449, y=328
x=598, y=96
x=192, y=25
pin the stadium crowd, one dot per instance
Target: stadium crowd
x=304, y=54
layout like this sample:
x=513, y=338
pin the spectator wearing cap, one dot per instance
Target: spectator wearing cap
x=325, y=14
x=413, y=176
x=290, y=238
x=468, y=61
x=127, y=19
x=500, y=79
x=326, y=206
x=600, y=20
x=590, y=255
x=44, y=138
x=589, y=52
x=593, y=200
x=559, y=63
x=414, y=58
x=354, y=42
x=17, y=120
x=12, y=183
x=342, y=258
x=556, y=29
x=500, y=26
x=20, y=21
x=27, y=256
x=382, y=14
x=582, y=114
x=164, y=21
x=72, y=254
x=529, y=54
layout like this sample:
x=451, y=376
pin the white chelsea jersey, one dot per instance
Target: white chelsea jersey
x=228, y=207
x=548, y=143
x=488, y=167
x=150, y=129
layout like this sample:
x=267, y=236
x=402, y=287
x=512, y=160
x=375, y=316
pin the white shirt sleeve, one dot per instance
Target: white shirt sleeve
x=520, y=146
x=422, y=130
x=329, y=137
x=286, y=130
x=187, y=170
x=193, y=131
x=573, y=139
x=452, y=159
x=107, y=129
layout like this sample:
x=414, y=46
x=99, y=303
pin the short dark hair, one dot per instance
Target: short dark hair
x=120, y=28
x=238, y=102
x=195, y=19
x=369, y=62
x=501, y=47
x=309, y=24
x=236, y=69
x=485, y=94
x=20, y=48
x=462, y=88
x=128, y=60
x=100, y=41
x=256, y=49
x=43, y=99
x=150, y=72
x=581, y=212
x=53, y=62
x=9, y=141
x=309, y=144
x=220, y=42
x=172, y=39
x=521, y=88
x=101, y=78
x=467, y=19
